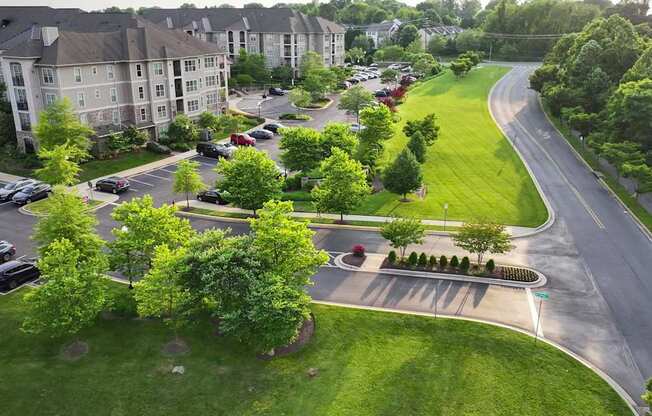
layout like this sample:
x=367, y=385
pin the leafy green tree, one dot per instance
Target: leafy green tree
x=208, y=120
x=310, y=61
x=620, y=153
x=403, y=175
x=482, y=237
x=417, y=145
x=244, y=80
x=285, y=245
x=337, y=135
x=583, y=122
x=160, y=293
x=642, y=174
x=70, y=219
x=641, y=69
x=59, y=166
x=629, y=111
x=436, y=45
x=72, y=295
x=355, y=99
x=344, y=185
x=363, y=43
x=187, y=179
x=301, y=148
x=299, y=98
x=182, y=130
x=460, y=67
x=355, y=55
x=58, y=125
x=647, y=396
x=8, y=135
x=401, y=232
x=251, y=178
x=407, y=34
x=252, y=65
x=283, y=74
x=318, y=82
x=144, y=227
x=427, y=126
x=390, y=53
x=542, y=75
x=389, y=76
x=378, y=127
x=424, y=64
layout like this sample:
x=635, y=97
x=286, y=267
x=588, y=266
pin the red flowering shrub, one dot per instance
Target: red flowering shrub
x=398, y=93
x=358, y=250
x=389, y=102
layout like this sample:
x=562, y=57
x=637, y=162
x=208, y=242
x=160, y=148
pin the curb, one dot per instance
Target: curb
x=541, y=281
x=23, y=209
x=330, y=102
x=612, y=383
x=551, y=212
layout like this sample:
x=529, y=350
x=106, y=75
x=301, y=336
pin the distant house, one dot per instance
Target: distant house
x=383, y=31
x=427, y=33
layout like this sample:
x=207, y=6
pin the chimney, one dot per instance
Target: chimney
x=49, y=35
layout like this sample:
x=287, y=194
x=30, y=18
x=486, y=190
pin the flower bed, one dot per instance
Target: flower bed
x=294, y=116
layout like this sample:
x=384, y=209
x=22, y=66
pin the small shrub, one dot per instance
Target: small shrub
x=358, y=250
x=423, y=260
x=391, y=257
x=156, y=147
x=122, y=303
x=294, y=116
x=443, y=262
x=413, y=259
x=292, y=183
x=455, y=262
x=465, y=264
x=432, y=262
x=490, y=266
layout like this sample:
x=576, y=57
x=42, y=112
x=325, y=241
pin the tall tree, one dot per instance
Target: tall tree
x=310, y=61
x=7, y=128
x=620, y=153
x=59, y=166
x=417, y=145
x=187, y=179
x=629, y=109
x=407, y=34
x=642, y=174
x=427, y=126
x=182, y=130
x=58, y=125
x=389, y=76
x=344, y=185
x=301, y=148
x=401, y=232
x=482, y=237
x=299, y=98
x=337, y=135
x=403, y=175
x=355, y=99
x=251, y=178
x=355, y=55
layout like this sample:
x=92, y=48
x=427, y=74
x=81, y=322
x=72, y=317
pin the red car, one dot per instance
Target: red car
x=242, y=139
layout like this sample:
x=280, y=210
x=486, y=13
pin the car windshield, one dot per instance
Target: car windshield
x=27, y=190
x=10, y=186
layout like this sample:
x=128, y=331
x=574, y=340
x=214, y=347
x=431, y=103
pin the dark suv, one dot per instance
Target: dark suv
x=215, y=150
x=214, y=195
x=276, y=91
x=15, y=272
x=114, y=184
x=32, y=193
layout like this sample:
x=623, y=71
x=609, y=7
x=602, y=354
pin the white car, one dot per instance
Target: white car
x=362, y=76
x=394, y=66
x=356, y=128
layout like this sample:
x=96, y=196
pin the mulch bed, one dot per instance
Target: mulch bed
x=511, y=273
x=74, y=351
x=352, y=260
x=305, y=335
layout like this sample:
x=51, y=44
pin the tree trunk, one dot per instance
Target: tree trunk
x=479, y=259
x=187, y=201
x=341, y=217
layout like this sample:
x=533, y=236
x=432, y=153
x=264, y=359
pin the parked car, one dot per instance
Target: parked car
x=242, y=139
x=261, y=134
x=353, y=80
x=214, y=195
x=276, y=91
x=32, y=193
x=215, y=150
x=113, y=184
x=14, y=273
x=273, y=127
x=394, y=66
x=356, y=128
x=344, y=85
x=362, y=76
x=381, y=93
x=9, y=190
x=7, y=250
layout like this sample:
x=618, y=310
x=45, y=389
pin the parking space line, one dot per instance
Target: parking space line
x=203, y=163
x=165, y=170
x=21, y=257
x=5, y=203
x=534, y=313
x=140, y=182
x=157, y=177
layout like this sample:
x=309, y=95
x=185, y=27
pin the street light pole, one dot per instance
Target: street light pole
x=445, y=212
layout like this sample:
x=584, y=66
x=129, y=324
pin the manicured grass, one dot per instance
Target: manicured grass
x=96, y=168
x=40, y=207
x=472, y=166
x=369, y=363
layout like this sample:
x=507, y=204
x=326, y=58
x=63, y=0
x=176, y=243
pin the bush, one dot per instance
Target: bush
x=358, y=250
x=391, y=257
x=292, y=183
x=122, y=303
x=465, y=264
x=490, y=266
x=156, y=147
x=432, y=262
x=455, y=262
x=181, y=147
x=423, y=260
x=413, y=259
x=443, y=261
x=294, y=116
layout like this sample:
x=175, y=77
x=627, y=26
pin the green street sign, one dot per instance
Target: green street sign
x=542, y=295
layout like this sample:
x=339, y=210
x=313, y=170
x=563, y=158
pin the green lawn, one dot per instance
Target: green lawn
x=96, y=168
x=370, y=363
x=40, y=207
x=472, y=166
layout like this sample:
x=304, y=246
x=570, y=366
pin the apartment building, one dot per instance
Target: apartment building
x=382, y=32
x=426, y=34
x=282, y=35
x=117, y=70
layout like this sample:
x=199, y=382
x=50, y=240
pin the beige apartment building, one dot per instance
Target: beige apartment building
x=117, y=70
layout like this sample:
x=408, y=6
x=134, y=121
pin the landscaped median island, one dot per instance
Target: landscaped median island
x=427, y=366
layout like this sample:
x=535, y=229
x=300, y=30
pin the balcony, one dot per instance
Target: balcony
x=176, y=65
x=22, y=106
x=178, y=88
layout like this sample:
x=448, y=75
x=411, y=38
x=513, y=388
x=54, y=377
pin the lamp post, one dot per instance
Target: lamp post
x=445, y=213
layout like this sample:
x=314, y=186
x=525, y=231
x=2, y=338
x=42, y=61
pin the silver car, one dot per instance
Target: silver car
x=9, y=190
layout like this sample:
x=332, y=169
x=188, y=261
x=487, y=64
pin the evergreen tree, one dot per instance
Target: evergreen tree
x=417, y=145
x=404, y=174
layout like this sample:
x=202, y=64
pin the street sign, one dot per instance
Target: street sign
x=542, y=295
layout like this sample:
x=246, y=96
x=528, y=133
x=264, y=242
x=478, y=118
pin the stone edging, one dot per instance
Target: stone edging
x=541, y=281
x=611, y=382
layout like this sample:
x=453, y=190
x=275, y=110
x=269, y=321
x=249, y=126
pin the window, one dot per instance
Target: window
x=211, y=81
x=25, y=123
x=48, y=75
x=17, y=75
x=193, y=105
x=191, y=85
x=211, y=99
x=97, y=94
x=160, y=90
x=109, y=72
x=139, y=70
x=190, y=65
x=50, y=98
x=162, y=111
x=141, y=93
x=94, y=70
x=77, y=74
x=115, y=117
x=143, y=114
x=81, y=100
x=114, y=95
x=209, y=62
x=21, y=99
x=157, y=68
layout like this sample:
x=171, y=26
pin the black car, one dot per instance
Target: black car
x=7, y=250
x=14, y=273
x=114, y=184
x=261, y=134
x=273, y=127
x=9, y=190
x=276, y=91
x=213, y=195
x=32, y=193
x=215, y=150
x=381, y=93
